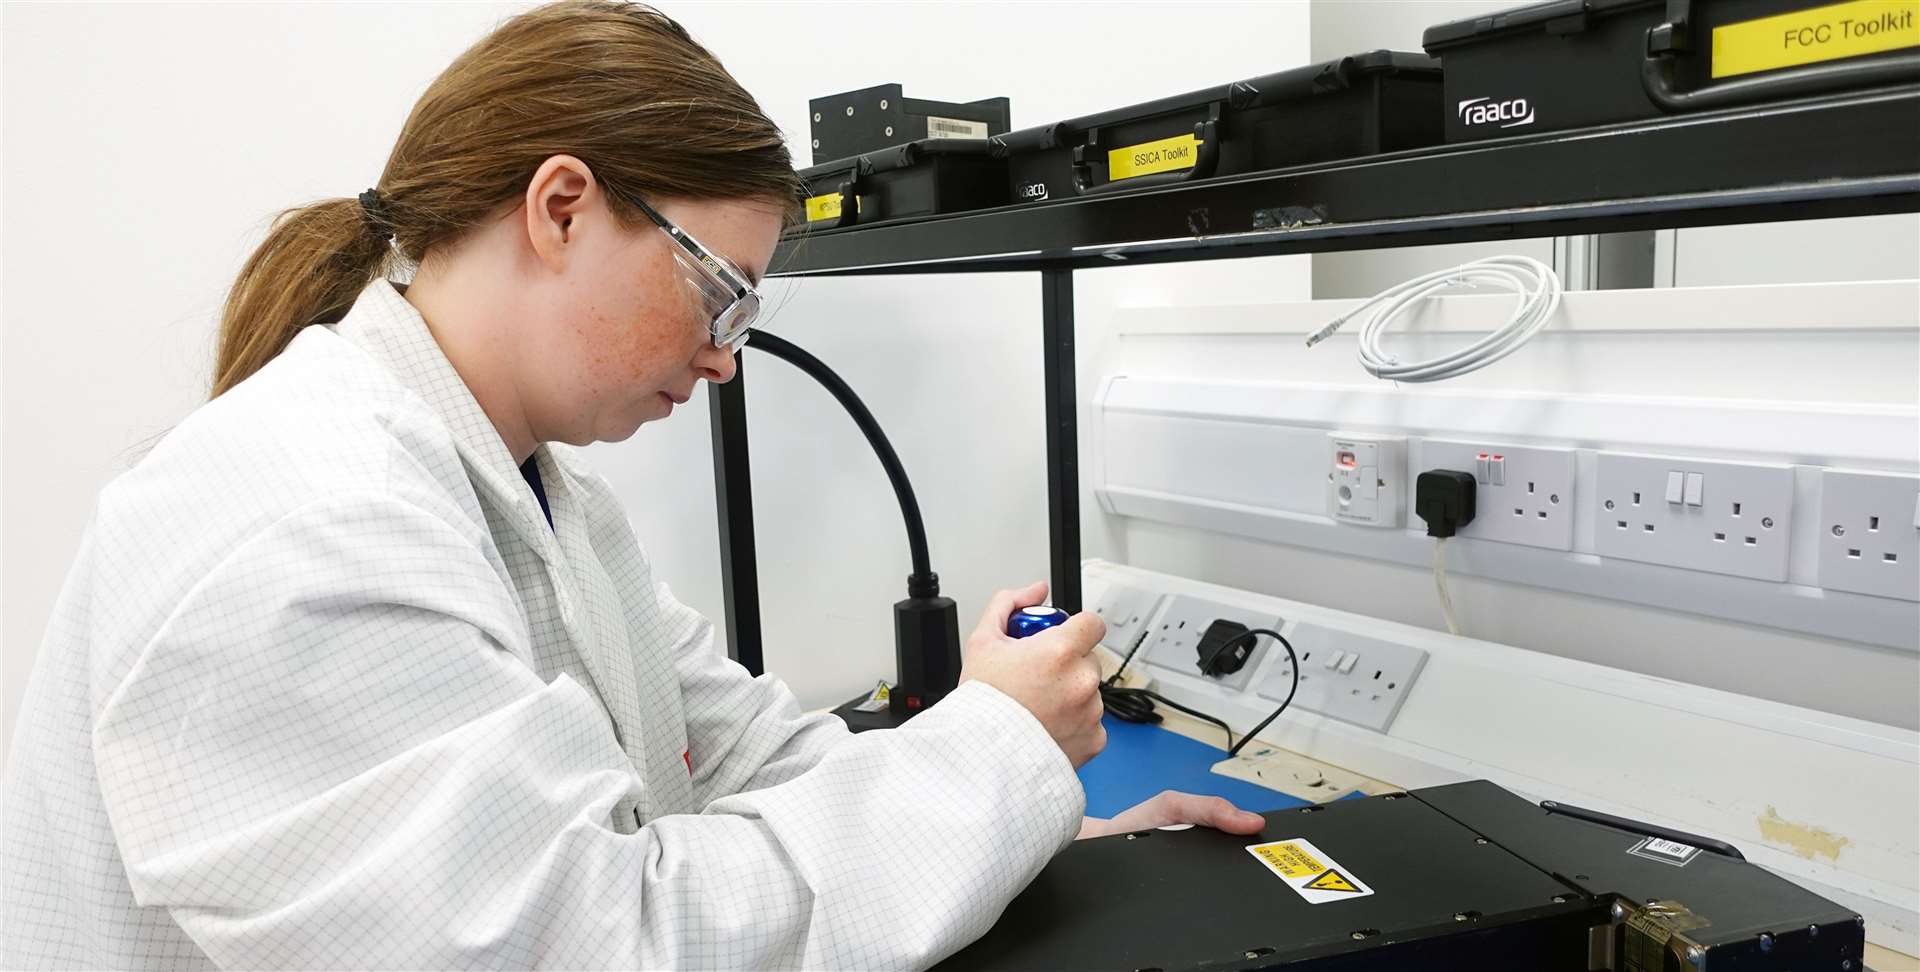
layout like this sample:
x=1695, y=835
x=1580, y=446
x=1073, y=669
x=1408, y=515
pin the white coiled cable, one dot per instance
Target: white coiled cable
x=1533, y=282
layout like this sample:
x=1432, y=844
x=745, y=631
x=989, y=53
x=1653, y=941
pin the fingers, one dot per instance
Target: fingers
x=1002, y=605
x=1210, y=811
x=1080, y=632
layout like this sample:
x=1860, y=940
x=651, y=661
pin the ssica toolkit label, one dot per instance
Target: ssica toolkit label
x=1814, y=35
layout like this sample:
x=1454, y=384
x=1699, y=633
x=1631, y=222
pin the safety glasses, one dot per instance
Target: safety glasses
x=720, y=286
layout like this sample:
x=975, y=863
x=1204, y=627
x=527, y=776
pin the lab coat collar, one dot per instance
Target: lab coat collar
x=384, y=324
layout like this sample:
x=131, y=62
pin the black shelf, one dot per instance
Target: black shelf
x=1846, y=155
x=1834, y=156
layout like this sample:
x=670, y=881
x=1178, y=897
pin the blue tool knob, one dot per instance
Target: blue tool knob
x=1033, y=620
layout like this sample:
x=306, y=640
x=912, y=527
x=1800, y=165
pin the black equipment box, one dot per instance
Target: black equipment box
x=924, y=178
x=1460, y=877
x=1574, y=63
x=1366, y=104
x=857, y=122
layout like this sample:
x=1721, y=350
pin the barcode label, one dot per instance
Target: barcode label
x=955, y=128
x=1665, y=851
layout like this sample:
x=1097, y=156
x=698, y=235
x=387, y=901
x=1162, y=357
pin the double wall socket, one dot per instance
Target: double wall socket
x=1126, y=611
x=1173, y=642
x=1344, y=676
x=1723, y=517
x=1870, y=533
x=1522, y=494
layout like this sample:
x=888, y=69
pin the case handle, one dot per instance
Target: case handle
x=1204, y=162
x=1665, y=41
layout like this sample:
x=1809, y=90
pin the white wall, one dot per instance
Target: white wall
x=155, y=142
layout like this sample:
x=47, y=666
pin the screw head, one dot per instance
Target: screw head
x=1459, y=917
x=1766, y=942
x=1357, y=936
x=1839, y=531
x=1767, y=521
x=816, y=116
x=1559, y=899
x=1696, y=955
x=1619, y=910
x=1479, y=840
x=816, y=143
x=889, y=130
x=849, y=111
x=1813, y=931
x=883, y=107
x=1554, y=499
x=1609, y=504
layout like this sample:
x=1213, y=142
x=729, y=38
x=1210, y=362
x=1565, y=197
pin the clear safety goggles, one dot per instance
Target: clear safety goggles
x=717, y=283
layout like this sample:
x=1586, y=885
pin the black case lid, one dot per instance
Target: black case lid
x=1326, y=77
x=901, y=156
x=1530, y=17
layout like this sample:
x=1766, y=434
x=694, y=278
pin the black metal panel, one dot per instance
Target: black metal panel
x=1197, y=899
x=1063, y=439
x=733, y=497
x=1835, y=156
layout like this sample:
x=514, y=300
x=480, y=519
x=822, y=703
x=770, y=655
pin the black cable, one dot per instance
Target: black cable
x=1294, y=659
x=786, y=351
x=1136, y=704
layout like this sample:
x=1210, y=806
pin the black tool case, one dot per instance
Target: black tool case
x=1575, y=63
x=857, y=122
x=924, y=178
x=1460, y=878
x=1366, y=104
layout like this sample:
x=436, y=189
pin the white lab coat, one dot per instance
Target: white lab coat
x=323, y=690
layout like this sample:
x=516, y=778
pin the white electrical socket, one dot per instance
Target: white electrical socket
x=1174, y=641
x=1522, y=494
x=1870, y=533
x=1722, y=517
x=1367, y=479
x=1126, y=611
x=1344, y=676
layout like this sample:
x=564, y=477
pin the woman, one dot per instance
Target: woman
x=358, y=669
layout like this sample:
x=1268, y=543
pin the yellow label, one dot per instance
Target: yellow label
x=1814, y=35
x=826, y=207
x=1288, y=858
x=1165, y=155
x=1333, y=881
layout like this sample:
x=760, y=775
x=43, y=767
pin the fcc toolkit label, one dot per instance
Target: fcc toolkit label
x=1313, y=875
x=1815, y=35
x=1665, y=851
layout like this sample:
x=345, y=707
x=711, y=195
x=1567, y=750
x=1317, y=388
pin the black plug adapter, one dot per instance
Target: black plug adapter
x=1218, y=663
x=1444, y=498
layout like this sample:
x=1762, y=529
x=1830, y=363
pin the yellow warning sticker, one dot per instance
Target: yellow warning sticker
x=1332, y=881
x=826, y=207
x=1308, y=871
x=1814, y=35
x=1147, y=158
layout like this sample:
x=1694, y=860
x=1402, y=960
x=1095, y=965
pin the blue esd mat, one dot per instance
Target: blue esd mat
x=1141, y=760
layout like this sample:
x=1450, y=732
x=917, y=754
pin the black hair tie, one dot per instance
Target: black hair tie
x=374, y=209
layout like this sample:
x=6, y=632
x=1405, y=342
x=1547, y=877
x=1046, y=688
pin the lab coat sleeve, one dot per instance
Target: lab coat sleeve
x=328, y=757
x=743, y=732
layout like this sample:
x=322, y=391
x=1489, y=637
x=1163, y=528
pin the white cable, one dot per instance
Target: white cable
x=1533, y=282
x=1440, y=582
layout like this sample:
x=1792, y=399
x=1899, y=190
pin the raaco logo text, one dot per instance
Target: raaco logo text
x=1505, y=114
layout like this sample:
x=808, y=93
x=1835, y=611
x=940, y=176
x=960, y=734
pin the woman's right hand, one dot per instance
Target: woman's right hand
x=1053, y=673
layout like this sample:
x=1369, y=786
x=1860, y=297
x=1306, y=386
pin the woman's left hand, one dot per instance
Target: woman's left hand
x=1172, y=807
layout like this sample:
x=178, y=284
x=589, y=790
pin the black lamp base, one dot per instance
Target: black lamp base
x=862, y=721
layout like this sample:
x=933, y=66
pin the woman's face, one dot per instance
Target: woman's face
x=626, y=339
